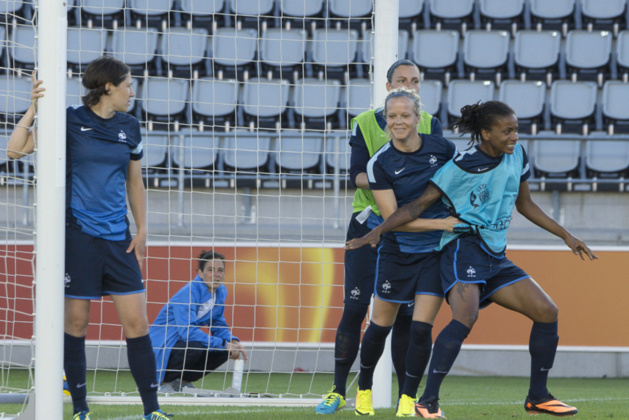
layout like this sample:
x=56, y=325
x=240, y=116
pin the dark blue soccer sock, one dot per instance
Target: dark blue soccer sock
x=347, y=344
x=75, y=367
x=447, y=347
x=373, y=345
x=142, y=365
x=542, y=347
x=417, y=357
x=400, y=339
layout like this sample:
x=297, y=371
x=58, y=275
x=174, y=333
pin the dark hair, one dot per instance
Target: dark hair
x=206, y=256
x=481, y=116
x=98, y=73
x=398, y=64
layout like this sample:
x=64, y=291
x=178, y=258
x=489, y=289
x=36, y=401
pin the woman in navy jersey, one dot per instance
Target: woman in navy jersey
x=407, y=269
x=481, y=186
x=104, y=148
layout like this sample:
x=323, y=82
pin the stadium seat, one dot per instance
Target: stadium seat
x=234, y=52
x=15, y=98
x=103, y=13
x=452, y=14
x=84, y=46
x=163, y=103
x=21, y=49
x=366, y=48
x=282, y=53
x=622, y=55
x=588, y=55
x=155, y=158
x=527, y=100
x=556, y=14
x=184, y=52
x=607, y=15
x=317, y=103
x=301, y=14
x=202, y=14
x=337, y=152
x=485, y=54
x=334, y=53
x=615, y=106
x=430, y=96
x=358, y=97
x=536, y=55
x=507, y=15
x=3, y=46
x=265, y=102
x=298, y=153
x=607, y=159
x=74, y=91
x=255, y=14
x=246, y=153
x=138, y=49
x=411, y=15
x=4, y=159
x=11, y=10
x=356, y=13
x=467, y=92
x=151, y=13
x=572, y=106
x=555, y=158
x=435, y=53
x=214, y=102
x=195, y=150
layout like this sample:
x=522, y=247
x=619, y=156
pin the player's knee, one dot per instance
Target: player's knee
x=76, y=325
x=135, y=328
x=548, y=312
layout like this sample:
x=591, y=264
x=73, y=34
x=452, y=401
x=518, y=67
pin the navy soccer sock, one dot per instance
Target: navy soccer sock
x=75, y=367
x=142, y=365
x=347, y=344
x=400, y=339
x=447, y=347
x=417, y=356
x=542, y=347
x=370, y=352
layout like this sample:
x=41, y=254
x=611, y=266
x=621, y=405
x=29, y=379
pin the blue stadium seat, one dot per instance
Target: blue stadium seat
x=306, y=14
x=202, y=14
x=155, y=159
x=265, y=102
x=356, y=13
x=3, y=46
x=588, y=55
x=366, y=48
x=615, y=106
x=109, y=14
x=234, y=52
x=430, y=96
x=622, y=55
x=15, y=98
x=282, y=53
x=485, y=54
x=74, y=91
x=151, y=13
x=358, y=97
x=607, y=15
x=317, y=103
x=298, y=153
x=255, y=14
x=436, y=53
x=467, y=92
x=21, y=50
x=84, y=46
x=411, y=15
x=452, y=14
x=163, y=103
x=10, y=11
x=197, y=151
x=536, y=55
x=507, y=15
x=246, y=154
x=555, y=158
x=184, y=52
x=527, y=100
x=557, y=15
x=337, y=152
x=138, y=49
x=607, y=159
x=334, y=53
x=214, y=102
x=573, y=106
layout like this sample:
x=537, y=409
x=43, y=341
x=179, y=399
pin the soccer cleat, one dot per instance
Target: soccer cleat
x=66, y=388
x=81, y=415
x=549, y=405
x=157, y=415
x=405, y=406
x=364, y=403
x=429, y=409
x=331, y=403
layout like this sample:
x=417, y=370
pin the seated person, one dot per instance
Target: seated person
x=184, y=352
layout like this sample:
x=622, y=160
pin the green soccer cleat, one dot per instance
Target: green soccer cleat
x=364, y=403
x=405, y=406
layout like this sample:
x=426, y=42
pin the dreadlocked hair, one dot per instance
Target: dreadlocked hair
x=481, y=116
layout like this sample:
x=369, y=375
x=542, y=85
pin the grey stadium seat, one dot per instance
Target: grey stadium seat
x=256, y=14
x=21, y=50
x=105, y=13
x=84, y=46
x=366, y=47
x=246, y=153
x=537, y=55
x=201, y=13
x=184, y=52
x=358, y=96
x=607, y=158
x=502, y=14
x=430, y=96
x=452, y=14
x=411, y=15
x=355, y=14
x=572, y=106
x=214, y=102
x=436, y=52
x=553, y=158
x=265, y=102
x=607, y=15
x=466, y=92
x=3, y=45
x=615, y=104
x=334, y=53
x=137, y=48
x=155, y=156
x=298, y=153
x=282, y=52
x=317, y=102
x=485, y=54
x=527, y=100
x=622, y=55
x=195, y=150
x=301, y=14
x=15, y=97
x=233, y=53
x=4, y=140
x=74, y=91
x=163, y=102
x=588, y=55
x=337, y=160
x=556, y=14
x=151, y=13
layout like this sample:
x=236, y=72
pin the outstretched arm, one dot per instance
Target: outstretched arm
x=527, y=207
x=401, y=216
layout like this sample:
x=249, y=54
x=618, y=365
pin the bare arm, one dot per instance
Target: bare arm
x=22, y=141
x=527, y=207
x=362, y=181
x=137, y=201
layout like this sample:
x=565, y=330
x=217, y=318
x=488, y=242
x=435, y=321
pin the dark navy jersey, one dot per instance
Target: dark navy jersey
x=477, y=161
x=98, y=155
x=407, y=174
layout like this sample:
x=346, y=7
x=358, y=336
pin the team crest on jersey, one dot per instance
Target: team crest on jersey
x=355, y=293
x=479, y=196
x=386, y=287
x=122, y=136
x=433, y=160
x=471, y=271
x=67, y=280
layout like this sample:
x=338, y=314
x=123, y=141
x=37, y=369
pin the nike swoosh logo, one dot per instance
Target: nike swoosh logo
x=544, y=369
x=86, y=128
x=438, y=372
x=154, y=385
x=482, y=169
x=81, y=385
x=397, y=172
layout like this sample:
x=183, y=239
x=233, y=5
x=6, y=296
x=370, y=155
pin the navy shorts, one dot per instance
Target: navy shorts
x=360, y=269
x=403, y=275
x=464, y=260
x=96, y=267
